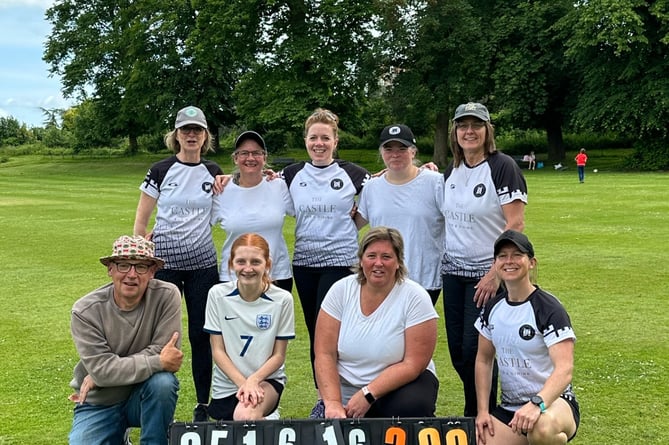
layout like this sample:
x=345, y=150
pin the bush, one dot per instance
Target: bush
x=54, y=137
x=520, y=142
x=653, y=156
x=152, y=143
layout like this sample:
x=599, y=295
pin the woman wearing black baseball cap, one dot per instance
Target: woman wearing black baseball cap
x=528, y=333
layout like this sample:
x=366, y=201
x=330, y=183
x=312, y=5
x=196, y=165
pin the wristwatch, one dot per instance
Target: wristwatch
x=368, y=395
x=537, y=400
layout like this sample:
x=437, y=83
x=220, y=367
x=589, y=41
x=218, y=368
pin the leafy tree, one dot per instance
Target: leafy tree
x=51, y=116
x=128, y=57
x=433, y=62
x=13, y=132
x=621, y=47
x=532, y=81
x=309, y=54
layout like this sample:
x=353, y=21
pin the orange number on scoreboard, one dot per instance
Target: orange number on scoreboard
x=395, y=436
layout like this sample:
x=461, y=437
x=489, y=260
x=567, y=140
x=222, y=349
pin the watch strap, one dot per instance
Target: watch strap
x=368, y=395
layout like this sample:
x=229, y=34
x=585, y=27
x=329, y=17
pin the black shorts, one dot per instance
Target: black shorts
x=223, y=409
x=505, y=416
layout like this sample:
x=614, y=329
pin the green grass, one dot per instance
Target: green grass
x=602, y=249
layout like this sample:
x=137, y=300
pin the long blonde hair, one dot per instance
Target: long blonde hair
x=172, y=142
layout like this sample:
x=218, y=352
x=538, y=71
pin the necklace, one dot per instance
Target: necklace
x=471, y=167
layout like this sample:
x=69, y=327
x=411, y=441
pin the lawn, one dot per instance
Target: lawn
x=601, y=246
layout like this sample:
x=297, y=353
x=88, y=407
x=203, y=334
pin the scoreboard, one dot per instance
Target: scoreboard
x=390, y=431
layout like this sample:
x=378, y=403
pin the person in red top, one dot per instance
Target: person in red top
x=581, y=158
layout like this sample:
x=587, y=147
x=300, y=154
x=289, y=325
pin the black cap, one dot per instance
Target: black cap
x=519, y=239
x=397, y=132
x=250, y=135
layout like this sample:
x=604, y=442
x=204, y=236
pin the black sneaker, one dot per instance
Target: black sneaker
x=200, y=413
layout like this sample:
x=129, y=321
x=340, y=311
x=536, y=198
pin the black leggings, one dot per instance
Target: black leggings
x=415, y=399
x=195, y=285
x=312, y=284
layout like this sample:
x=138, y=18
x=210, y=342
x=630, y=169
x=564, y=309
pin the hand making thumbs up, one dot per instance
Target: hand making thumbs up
x=171, y=356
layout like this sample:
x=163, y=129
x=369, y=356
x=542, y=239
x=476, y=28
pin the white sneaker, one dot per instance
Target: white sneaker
x=126, y=437
x=273, y=415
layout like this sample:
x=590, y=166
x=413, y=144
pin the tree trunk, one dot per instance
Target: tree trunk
x=213, y=129
x=133, y=145
x=440, y=155
x=555, y=142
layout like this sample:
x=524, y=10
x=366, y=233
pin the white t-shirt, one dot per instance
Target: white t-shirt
x=260, y=209
x=415, y=209
x=368, y=344
x=249, y=330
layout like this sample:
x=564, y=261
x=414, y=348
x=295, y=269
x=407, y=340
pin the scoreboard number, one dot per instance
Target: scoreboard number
x=407, y=431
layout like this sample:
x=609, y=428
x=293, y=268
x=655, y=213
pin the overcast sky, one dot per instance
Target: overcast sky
x=25, y=85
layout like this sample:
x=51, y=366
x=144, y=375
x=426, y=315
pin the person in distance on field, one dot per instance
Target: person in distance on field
x=128, y=337
x=527, y=331
x=581, y=158
x=375, y=337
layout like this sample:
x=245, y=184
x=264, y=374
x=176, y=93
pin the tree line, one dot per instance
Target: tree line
x=552, y=65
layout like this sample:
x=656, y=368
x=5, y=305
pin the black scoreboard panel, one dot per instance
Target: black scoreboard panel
x=395, y=431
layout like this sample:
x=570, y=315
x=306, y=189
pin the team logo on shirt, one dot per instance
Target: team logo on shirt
x=206, y=187
x=479, y=190
x=526, y=332
x=336, y=184
x=263, y=321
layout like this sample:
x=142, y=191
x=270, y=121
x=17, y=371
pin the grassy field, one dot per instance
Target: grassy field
x=602, y=249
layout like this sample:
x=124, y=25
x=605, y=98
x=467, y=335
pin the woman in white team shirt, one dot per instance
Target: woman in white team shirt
x=253, y=204
x=179, y=188
x=326, y=237
x=410, y=200
x=484, y=194
x=528, y=333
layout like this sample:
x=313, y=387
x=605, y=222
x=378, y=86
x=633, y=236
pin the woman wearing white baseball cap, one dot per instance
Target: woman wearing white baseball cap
x=180, y=187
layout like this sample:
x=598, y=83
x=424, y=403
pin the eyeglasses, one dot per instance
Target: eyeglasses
x=467, y=125
x=140, y=268
x=191, y=129
x=246, y=154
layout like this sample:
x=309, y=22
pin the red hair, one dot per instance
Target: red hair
x=253, y=240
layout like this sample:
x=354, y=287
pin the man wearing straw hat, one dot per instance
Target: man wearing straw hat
x=128, y=336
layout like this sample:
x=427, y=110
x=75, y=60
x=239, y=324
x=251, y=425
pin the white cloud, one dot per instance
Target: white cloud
x=36, y=3
x=25, y=84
